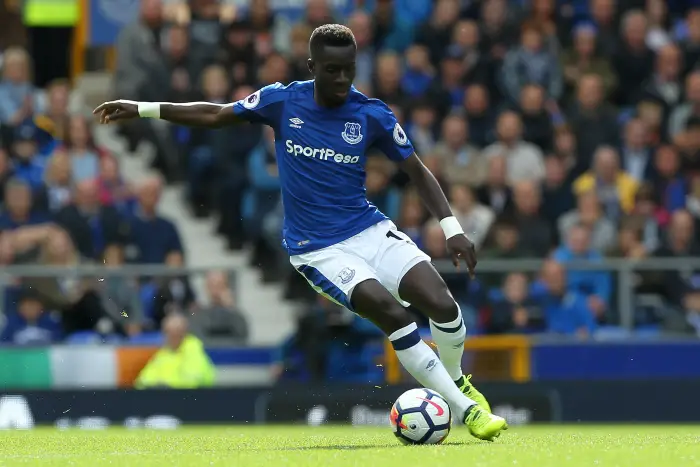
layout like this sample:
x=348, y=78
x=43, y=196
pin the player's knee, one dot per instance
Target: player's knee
x=443, y=307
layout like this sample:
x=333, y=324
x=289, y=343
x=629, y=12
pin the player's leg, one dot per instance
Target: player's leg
x=374, y=302
x=425, y=289
x=407, y=273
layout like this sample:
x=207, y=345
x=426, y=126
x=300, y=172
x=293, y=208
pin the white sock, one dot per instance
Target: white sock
x=422, y=363
x=449, y=338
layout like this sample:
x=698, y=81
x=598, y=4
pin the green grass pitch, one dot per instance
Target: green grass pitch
x=278, y=446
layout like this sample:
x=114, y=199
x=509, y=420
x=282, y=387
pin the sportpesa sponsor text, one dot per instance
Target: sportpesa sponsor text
x=322, y=154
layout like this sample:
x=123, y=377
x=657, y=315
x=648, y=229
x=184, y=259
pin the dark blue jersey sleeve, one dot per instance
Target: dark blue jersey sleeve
x=263, y=106
x=388, y=135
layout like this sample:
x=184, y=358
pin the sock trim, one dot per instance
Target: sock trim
x=404, y=331
x=450, y=330
x=405, y=338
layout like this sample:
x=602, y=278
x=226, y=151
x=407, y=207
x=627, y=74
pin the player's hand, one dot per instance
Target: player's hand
x=117, y=110
x=462, y=249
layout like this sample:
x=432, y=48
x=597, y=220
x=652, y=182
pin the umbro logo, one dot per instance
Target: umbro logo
x=296, y=122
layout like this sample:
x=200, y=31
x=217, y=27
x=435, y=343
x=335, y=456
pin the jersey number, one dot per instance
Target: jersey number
x=391, y=234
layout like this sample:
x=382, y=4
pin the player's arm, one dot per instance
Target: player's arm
x=434, y=198
x=263, y=106
x=197, y=114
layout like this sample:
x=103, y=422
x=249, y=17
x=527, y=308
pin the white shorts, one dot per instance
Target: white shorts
x=375, y=253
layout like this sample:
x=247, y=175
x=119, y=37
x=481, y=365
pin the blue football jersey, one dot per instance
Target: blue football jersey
x=321, y=156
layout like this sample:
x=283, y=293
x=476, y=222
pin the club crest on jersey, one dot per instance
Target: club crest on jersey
x=346, y=275
x=400, y=136
x=252, y=101
x=352, y=133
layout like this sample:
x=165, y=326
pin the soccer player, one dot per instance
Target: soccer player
x=343, y=245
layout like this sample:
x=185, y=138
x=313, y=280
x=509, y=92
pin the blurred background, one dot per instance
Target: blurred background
x=566, y=134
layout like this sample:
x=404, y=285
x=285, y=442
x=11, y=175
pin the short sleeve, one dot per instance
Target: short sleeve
x=263, y=106
x=389, y=137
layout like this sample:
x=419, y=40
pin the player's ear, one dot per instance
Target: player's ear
x=310, y=63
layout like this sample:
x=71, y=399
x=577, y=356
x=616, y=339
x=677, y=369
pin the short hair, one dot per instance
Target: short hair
x=334, y=35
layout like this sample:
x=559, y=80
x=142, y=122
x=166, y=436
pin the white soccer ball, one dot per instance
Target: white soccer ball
x=421, y=416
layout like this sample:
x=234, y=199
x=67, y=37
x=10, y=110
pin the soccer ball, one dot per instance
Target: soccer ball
x=421, y=416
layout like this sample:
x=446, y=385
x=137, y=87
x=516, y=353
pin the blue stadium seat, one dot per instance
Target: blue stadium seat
x=147, y=338
x=90, y=338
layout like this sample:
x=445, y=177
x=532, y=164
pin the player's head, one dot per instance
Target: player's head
x=332, y=48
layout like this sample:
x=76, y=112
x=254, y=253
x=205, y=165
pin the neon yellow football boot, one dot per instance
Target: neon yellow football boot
x=464, y=384
x=484, y=425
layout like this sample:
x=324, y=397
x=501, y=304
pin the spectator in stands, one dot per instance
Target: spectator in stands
x=437, y=31
x=361, y=25
x=120, y=295
x=479, y=115
x=6, y=173
x=511, y=312
x=30, y=324
x=659, y=24
x=18, y=206
x=379, y=191
x=143, y=74
x=557, y=198
x=680, y=287
x=525, y=161
x=173, y=294
x=113, y=189
x=220, y=318
x=670, y=185
x=432, y=244
x=474, y=218
x=19, y=100
x=448, y=90
x=503, y=243
x=615, y=189
x=387, y=80
x=565, y=312
x=183, y=70
x=422, y=127
x=299, y=53
x=80, y=146
x=59, y=181
x=537, y=123
x=691, y=43
x=27, y=163
x=495, y=192
x=593, y=122
x=182, y=363
x=54, y=122
x=477, y=66
x=664, y=85
x=93, y=228
x=603, y=16
x=411, y=217
x=693, y=198
x=536, y=234
x=647, y=213
x=596, y=286
x=419, y=73
x=636, y=154
x=77, y=298
x=689, y=146
x=589, y=213
x=630, y=243
x=583, y=59
x=238, y=53
x=153, y=237
x=633, y=61
x=531, y=63
x=689, y=108
x=462, y=161
x=498, y=30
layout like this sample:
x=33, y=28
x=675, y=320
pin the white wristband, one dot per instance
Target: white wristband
x=450, y=225
x=149, y=109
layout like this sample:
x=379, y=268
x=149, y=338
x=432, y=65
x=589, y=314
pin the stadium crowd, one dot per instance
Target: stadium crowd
x=559, y=129
x=66, y=204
